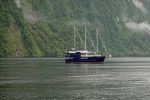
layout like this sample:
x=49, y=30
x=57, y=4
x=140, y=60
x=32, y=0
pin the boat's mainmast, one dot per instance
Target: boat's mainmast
x=85, y=39
x=74, y=37
x=97, y=39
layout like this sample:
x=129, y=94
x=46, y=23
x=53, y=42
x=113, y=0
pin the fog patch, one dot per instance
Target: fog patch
x=29, y=14
x=18, y=2
x=137, y=27
x=140, y=5
x=144, y=26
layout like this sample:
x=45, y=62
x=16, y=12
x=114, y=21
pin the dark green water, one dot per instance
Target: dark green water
x=53, y=79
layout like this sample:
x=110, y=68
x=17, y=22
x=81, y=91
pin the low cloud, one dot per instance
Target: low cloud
x=140, y=5
x=138, y=27
x=18, y=2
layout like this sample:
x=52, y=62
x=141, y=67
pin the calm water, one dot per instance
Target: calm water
x=52, y=79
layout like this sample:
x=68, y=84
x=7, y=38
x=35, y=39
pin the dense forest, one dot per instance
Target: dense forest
x=44, y=28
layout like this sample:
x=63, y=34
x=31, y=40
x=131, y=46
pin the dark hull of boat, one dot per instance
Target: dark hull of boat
x=95, y=59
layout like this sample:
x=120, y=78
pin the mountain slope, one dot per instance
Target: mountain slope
x=43, y=28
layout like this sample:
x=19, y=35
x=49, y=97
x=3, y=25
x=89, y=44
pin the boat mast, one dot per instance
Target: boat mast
x=74, y=37
x=85, y=39
x=97, y=39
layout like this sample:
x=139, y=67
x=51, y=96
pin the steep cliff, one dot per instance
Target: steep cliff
x=44, y=28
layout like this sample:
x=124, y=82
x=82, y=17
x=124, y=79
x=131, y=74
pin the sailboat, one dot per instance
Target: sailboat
x=83, y=55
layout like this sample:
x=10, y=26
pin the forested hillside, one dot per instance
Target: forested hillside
x=44, y=28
